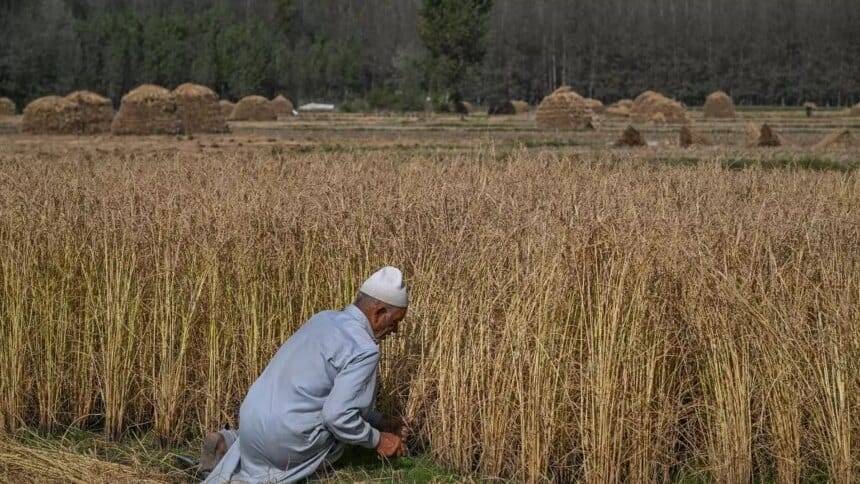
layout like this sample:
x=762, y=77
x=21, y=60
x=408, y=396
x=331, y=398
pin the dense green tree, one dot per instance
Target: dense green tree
x=453, y=32
x=394, y=52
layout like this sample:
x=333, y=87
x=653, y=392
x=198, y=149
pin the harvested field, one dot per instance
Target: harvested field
x=628, y=307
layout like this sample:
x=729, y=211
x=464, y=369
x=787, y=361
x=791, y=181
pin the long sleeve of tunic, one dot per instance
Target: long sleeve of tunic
x=315, y=395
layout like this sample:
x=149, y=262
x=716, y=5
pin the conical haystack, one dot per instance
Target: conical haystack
x=620, y=109
x=649, y=103
x=690, y=137
x=51, y=115
x=564, y=109
x=226, y=108
x=199, y=110
x=719, y=105
x=762, y=135
x=282, y=106
x=95, y=112
x=596, y=106
x=7, y=107
x=840, y=138
x=631, y=137
x=463, y=108
x=658, y=118
x=508, y=108
x=148, y=109
x=253, y=108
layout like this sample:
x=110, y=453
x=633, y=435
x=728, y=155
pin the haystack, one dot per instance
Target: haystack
x=762, y=135
x=564, y=109
x=226, y=108
x=631, y=137
x=658, y=118
x=649, y=103
x=719, y=105
x=95, y=112
x=148, y=109
x=282, y=106
x=690, y=137
x=596, y=105
x=508, y=108
x=620, y=108
x=7, y=107
x=463, y=108
x=199, y=110
x=51, y=115
x=840, y=138
x=253, y=108
x=855, y=111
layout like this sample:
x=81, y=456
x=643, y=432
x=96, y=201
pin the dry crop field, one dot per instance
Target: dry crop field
x=579, y=312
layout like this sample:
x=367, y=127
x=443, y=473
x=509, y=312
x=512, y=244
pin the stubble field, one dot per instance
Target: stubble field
x=580, y=312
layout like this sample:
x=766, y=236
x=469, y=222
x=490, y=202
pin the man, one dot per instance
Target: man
x=316, y=395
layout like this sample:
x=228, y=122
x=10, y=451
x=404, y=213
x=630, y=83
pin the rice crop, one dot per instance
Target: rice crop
x=592, y=317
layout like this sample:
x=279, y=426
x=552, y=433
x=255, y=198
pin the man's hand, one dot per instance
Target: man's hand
x=397, y=425
x=390, y=445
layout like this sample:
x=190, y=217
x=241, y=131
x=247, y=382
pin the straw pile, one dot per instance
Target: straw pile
x=719, y=105
x=631, y=137
x=690, y=137
x=649, y=103
x=51, y=115
x=253, y=108
x=620, y=108
x=226, y=108
x=95, y=112
x=508, y=108
x=199, y=110
x=658, y=118
x=282, y=106
x=763, y=136
x=7, y=107
x=463, y=108
x=564, y=109
x=596, y=105
x=148, y=109
x=27, y=463
x=840, y=138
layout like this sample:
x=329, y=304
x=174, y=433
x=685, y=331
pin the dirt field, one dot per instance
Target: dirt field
x=334, y=132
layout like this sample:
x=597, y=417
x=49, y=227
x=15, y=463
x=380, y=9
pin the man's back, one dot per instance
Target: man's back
x=288, y=416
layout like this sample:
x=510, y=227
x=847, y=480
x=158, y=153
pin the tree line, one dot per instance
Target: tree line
x=394, y=53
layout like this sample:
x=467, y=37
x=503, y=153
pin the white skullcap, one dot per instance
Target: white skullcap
x=387, y=285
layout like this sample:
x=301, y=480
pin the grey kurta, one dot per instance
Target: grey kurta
x=316, y=395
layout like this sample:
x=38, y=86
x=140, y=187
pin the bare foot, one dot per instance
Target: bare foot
x=214, y=448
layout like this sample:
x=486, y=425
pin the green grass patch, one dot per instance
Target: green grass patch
x=143, y=452
x=802, y=163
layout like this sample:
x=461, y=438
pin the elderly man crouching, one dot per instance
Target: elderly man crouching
x=316, y=395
